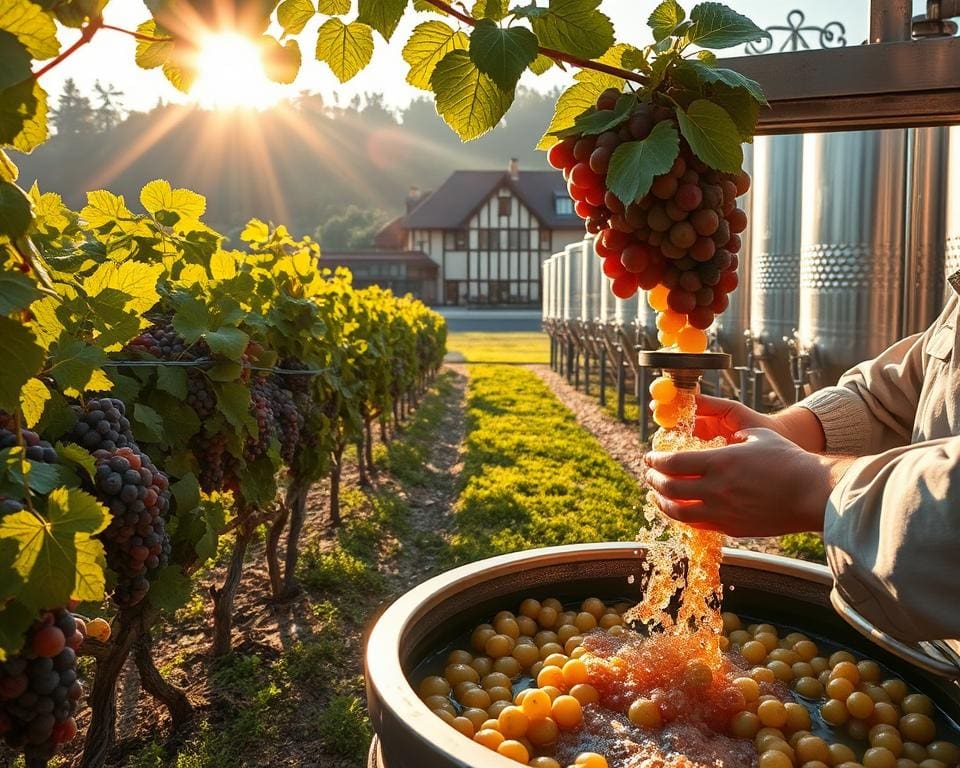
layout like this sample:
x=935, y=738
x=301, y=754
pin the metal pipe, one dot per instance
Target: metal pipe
x=621, y=384
x=603, y=376
x=943, y=9
x=890, y=20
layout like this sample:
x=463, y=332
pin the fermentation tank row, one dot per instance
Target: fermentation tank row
x=850, y=241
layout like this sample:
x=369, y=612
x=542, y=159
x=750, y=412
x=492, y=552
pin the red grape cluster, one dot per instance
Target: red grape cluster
x=680, y=240
x=136, y=541
x=289, y=419
x=102, y=424
x=216, y=464
x=39, y=687
x=261, y=406
x=200, y=394
x=296, y=383
x=160, y=340
x=36, y=449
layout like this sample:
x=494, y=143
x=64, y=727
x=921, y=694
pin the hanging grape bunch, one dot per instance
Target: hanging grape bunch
x=655, y=172
x=39, y=689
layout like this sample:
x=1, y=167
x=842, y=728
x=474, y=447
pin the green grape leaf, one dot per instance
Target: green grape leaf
x=192, y=319
x=293, y=15
x=233, y=401
x=503, y=54
x=149, y=421
x=227, y=341
x=712, y=135
x=596, y=122
x=729, y=77
x=22, y=358
x=23, y=116
x=532, y=11
x=155, y=52
x=258, y=482
x=17, y=292
x=575, y=27
x=14, y=60
x=665, y=18
x=225, y=370
x=57, y=416
x=382, y=15
x=334, y=7
x=717, y=26
x=541, y=64
x=32, y=26
x=741, y=106
x=76, y=456
x=73, y=363
x=33, y=399
x=180, y=422
x=281, y=63
x=634, y=164
x=346, y=48
x=170, y=589
x=172, y=380
x=468, y=100
x=429, y=42
x=573, y=102
x=157, y=196
x=489, y=9
x=57, y=558
x=16, y=211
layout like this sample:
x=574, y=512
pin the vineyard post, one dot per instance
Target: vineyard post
x=223, y=596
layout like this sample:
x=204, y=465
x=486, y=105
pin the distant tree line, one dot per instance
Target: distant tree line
x=339, y=171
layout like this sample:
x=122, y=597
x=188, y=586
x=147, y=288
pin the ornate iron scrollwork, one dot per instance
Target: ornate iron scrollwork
x=831, y=35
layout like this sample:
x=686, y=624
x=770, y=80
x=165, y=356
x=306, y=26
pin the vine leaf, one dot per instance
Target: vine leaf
x=157, y=196
x=233, y=400
x=78, y=457
x=227, y=341
x=382, y=15
x=598, y=121
x=665, y=18
x=152, y=53
x=635, y=163
x=490, y=9
x=576, y=100
x=717, y=26
x=293, y=15
x=33, y=399
x=712, y=135
x=170, y=588
x=346, y=48
x=135, y=280
x=16, y=211
x=541, y=64
x=468, y=100
x=334, y=7
x=429, y=42
x=32, y=26
x=151, y=425
x=14, y=60
x=22, y=357
x=23, y=116
x=573, y=26
x=57, y=558
x=729, y=77
x=281, y=63
x=16, y=292
x=503, y=54
x=172, y=380
x=73, y=364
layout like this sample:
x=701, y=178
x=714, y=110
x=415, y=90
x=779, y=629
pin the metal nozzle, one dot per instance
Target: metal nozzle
x=685, y=368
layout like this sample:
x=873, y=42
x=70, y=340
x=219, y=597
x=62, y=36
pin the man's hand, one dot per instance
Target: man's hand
x=720, y=417
x=761, y=485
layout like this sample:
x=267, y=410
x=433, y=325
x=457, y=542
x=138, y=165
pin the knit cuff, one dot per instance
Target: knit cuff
x=844, y=417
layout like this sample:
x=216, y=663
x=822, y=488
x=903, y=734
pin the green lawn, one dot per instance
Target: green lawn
x=506, y=347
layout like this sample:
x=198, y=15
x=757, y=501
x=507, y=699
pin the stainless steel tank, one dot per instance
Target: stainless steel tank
x=952, y=219
x=852, y=238
x=590, y=282
x=735, y=321
x=626, y=309
x=924, y=273
x=646, y=323
x=775, y=255
x=574, y=253
x=546, y=279
x=563, y=262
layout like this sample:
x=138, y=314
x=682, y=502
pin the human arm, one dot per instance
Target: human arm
x=720, y=417
x=892, y=534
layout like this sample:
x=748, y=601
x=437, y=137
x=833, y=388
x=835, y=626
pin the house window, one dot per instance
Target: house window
x=545, y=239
x=562, y=205
x=504, y=202
x=488, y=239
x=455, y=239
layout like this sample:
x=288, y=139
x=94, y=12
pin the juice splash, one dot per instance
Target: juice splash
x=682, y=564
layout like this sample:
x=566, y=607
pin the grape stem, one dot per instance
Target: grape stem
x=138, y=35
x=86, y=35
x=557, y=56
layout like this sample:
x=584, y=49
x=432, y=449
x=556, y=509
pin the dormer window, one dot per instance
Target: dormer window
x=504, y=203
x=562, y=205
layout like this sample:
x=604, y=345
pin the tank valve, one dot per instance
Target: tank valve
x=684, y=368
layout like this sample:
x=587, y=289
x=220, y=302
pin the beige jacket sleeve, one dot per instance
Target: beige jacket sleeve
x=873, y=406
x=892, y=532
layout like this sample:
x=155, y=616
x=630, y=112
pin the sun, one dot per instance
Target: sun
x=230, y=74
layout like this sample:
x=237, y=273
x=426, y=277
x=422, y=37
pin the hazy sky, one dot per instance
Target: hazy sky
x=109, y=57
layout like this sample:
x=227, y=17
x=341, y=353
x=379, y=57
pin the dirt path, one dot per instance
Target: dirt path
x=622, y=441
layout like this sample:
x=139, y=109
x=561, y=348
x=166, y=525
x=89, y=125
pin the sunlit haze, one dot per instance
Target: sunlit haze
x=231, y=75
x=109, y=58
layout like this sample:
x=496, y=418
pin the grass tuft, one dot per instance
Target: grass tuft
x=345, y=727
x=510, y=347
x=806, y=546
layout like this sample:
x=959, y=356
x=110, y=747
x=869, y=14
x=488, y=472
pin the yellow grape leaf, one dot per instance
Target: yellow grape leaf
x=223, y=265
x=152, y=53
x=346, y=48
x=158, y=196
x=32, y=26
x=468, y=100
x=573, y=102
x=33, y=399
x=135, y=279
x=429, y=42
